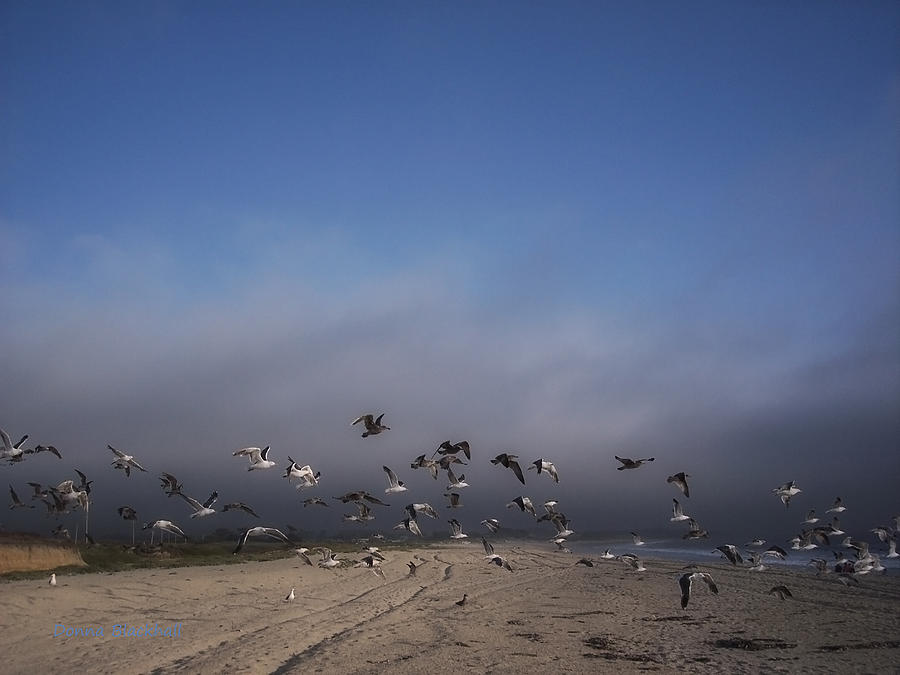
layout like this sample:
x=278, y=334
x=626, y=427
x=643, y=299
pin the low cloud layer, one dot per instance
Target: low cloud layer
x=181, y=386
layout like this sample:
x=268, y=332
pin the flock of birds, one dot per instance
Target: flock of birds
x=853, y=560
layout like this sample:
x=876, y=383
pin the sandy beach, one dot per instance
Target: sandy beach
x=547, y=615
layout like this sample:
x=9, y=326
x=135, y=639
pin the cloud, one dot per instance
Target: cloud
x=181, y=384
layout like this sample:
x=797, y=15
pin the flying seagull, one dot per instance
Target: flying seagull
x=170, y=484
x=427, y=509
x=786, y=491
x=456, y=530
x=127, y=513
x=372, y=563
x=524, y=504
x=637, y=539
x=543, y=465
x=240, y=506
x=491, y=523
x=125, y=462
x=259, y=459
x=260, y=531
x=509, y=461
x=456, y=483
x=837, y=507
x=633, y=561
x=454, y=500
x=313, y=501
x=628, y=463
x=165, y=526
x=409, y=524
x=680, y=481
x=373, y=425
x=16, y=502
x=201, y=510
x=45, y=448
x=492, y=557
x=731, y=552
x=302, y=554
x=12, y=452
x=687, y=580
x=396, y=485
x=421, y=463
x=447, y=448
x=781, y=591
x=677, y=512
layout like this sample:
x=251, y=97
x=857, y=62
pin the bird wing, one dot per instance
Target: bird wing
x=241, y=542
x=116, y=452
x=276, y=534
x=365, y=419
x=709, y=582
x=392, y=477
x=211, y=499
x=516, y=469
x=190, y=500
x=7, y=443
x=135, y=464
x=685, y=583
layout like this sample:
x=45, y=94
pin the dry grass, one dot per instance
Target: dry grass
x=20, y=554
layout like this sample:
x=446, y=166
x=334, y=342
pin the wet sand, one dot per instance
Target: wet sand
x=548, y=615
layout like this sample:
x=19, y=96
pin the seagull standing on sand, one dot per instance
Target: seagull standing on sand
x=628, y=463
x=52, y=581
x=290, y=596
x=687, y=580
x=259, y=459
x=373, y=425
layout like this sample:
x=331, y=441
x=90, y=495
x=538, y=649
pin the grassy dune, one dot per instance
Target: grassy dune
x=22, y=554
x=23, y=557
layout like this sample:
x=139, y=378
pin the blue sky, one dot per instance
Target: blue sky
x=586, y=226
